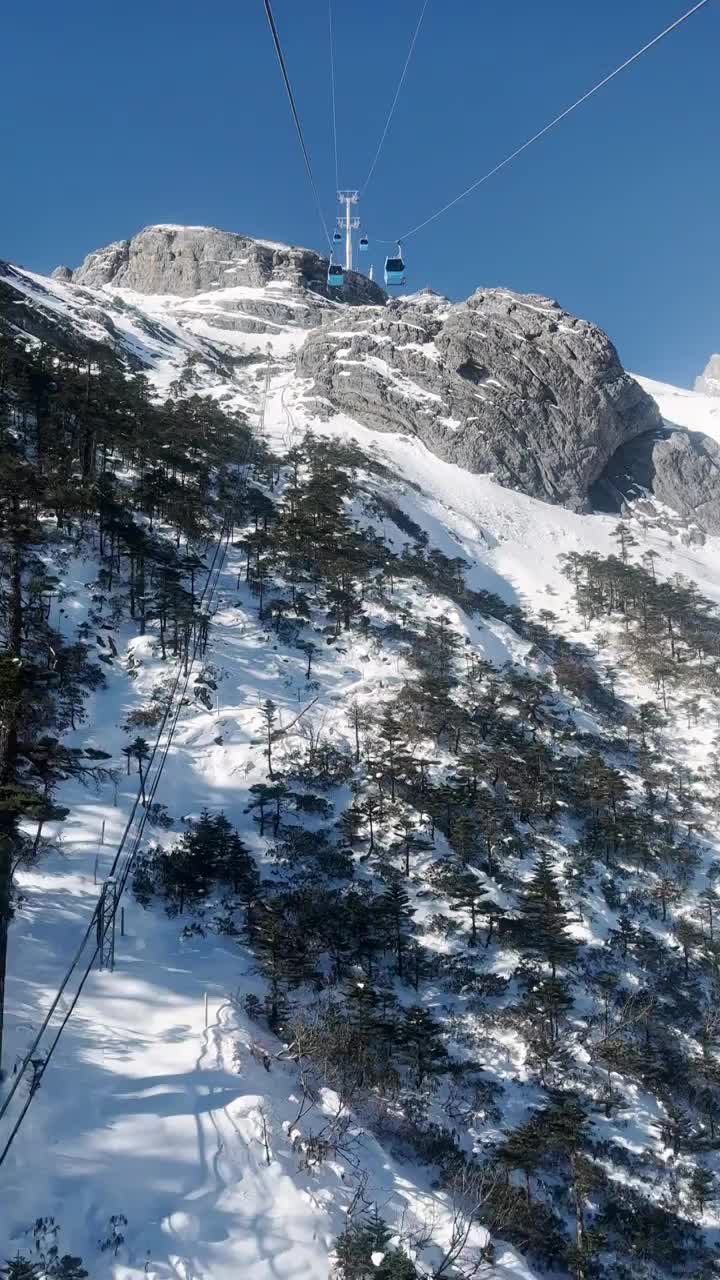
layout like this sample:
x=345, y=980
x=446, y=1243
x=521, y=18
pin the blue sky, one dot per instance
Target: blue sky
x=116, y=116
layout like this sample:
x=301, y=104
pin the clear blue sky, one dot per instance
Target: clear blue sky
x=116, y=116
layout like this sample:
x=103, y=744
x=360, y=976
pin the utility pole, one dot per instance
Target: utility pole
x=348, y=223
x=107, y=908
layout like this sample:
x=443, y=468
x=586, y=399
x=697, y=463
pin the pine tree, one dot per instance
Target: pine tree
x=410, y=841
x=625, y=539
x=20, y=1268
x=523, y=1149
x=464, y=889
x=267, y=933
x=269, y=715
x=397, y=913
x=703, y=1189
x=545, y=919
x=419, y=1038
x=67, y=1267
x=237, y=866
x=364, y=1250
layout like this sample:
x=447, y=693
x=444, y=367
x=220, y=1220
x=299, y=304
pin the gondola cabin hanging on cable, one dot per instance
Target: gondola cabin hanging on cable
x=395, y=268
x=364, y=243
x=337, y=237
x=335, y=275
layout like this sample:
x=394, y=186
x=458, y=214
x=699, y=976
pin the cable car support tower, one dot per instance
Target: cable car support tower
x=348, y=223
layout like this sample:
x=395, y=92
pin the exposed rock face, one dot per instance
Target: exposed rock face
x=185, y=261
x=709, y=381
x=687, y=477
x=681, y=468
x=503, y=383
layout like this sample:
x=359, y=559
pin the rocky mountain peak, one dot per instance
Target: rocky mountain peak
x=709, y=380
x=166, y=259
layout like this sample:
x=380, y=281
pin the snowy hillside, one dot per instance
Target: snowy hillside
x=179, y=1130
x=689, y=409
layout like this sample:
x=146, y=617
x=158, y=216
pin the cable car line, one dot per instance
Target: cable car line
x=335, y=275
x=332, y=84
x=395, y=268
x=395, y=99
x=209, y=589
x=131, y=857
x=296, y=118
x=563, y=114
x=211, y=583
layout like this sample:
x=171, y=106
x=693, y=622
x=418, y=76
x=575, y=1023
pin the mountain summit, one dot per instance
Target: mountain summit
x=186, y=261
x=503, y=384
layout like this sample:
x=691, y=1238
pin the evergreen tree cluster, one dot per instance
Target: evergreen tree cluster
x=670, y=632
x=209, y=856
x=92, y=467
x=472, y=786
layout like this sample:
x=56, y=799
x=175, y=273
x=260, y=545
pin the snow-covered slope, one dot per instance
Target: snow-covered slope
x=692, y=410
x=149, y=1111
x=159, y=1105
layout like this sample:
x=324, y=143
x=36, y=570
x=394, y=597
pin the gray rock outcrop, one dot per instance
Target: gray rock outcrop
x=186, y=261
x=709, y=381
x=503, y=383
x=687, y=477
x=680, y=468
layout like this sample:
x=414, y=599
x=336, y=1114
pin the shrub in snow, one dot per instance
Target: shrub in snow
x=364, y=1249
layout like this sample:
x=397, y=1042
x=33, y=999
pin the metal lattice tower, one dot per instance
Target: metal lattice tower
x=107, y=907
x=348, y=223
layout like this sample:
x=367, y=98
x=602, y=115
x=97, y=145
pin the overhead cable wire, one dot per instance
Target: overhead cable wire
x=397, y=95
x=295, y=116
x=128, y=826
x=552, y=124
x=213, y=577
x=332, y=85
x=209, y=588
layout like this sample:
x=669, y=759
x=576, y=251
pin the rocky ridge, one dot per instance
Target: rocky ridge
x=186, y=261
x=502, y=383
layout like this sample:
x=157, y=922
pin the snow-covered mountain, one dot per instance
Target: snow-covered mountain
x=505, y=385
x=500, y=434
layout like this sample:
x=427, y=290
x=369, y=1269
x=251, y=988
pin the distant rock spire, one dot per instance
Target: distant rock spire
x=709, y=381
